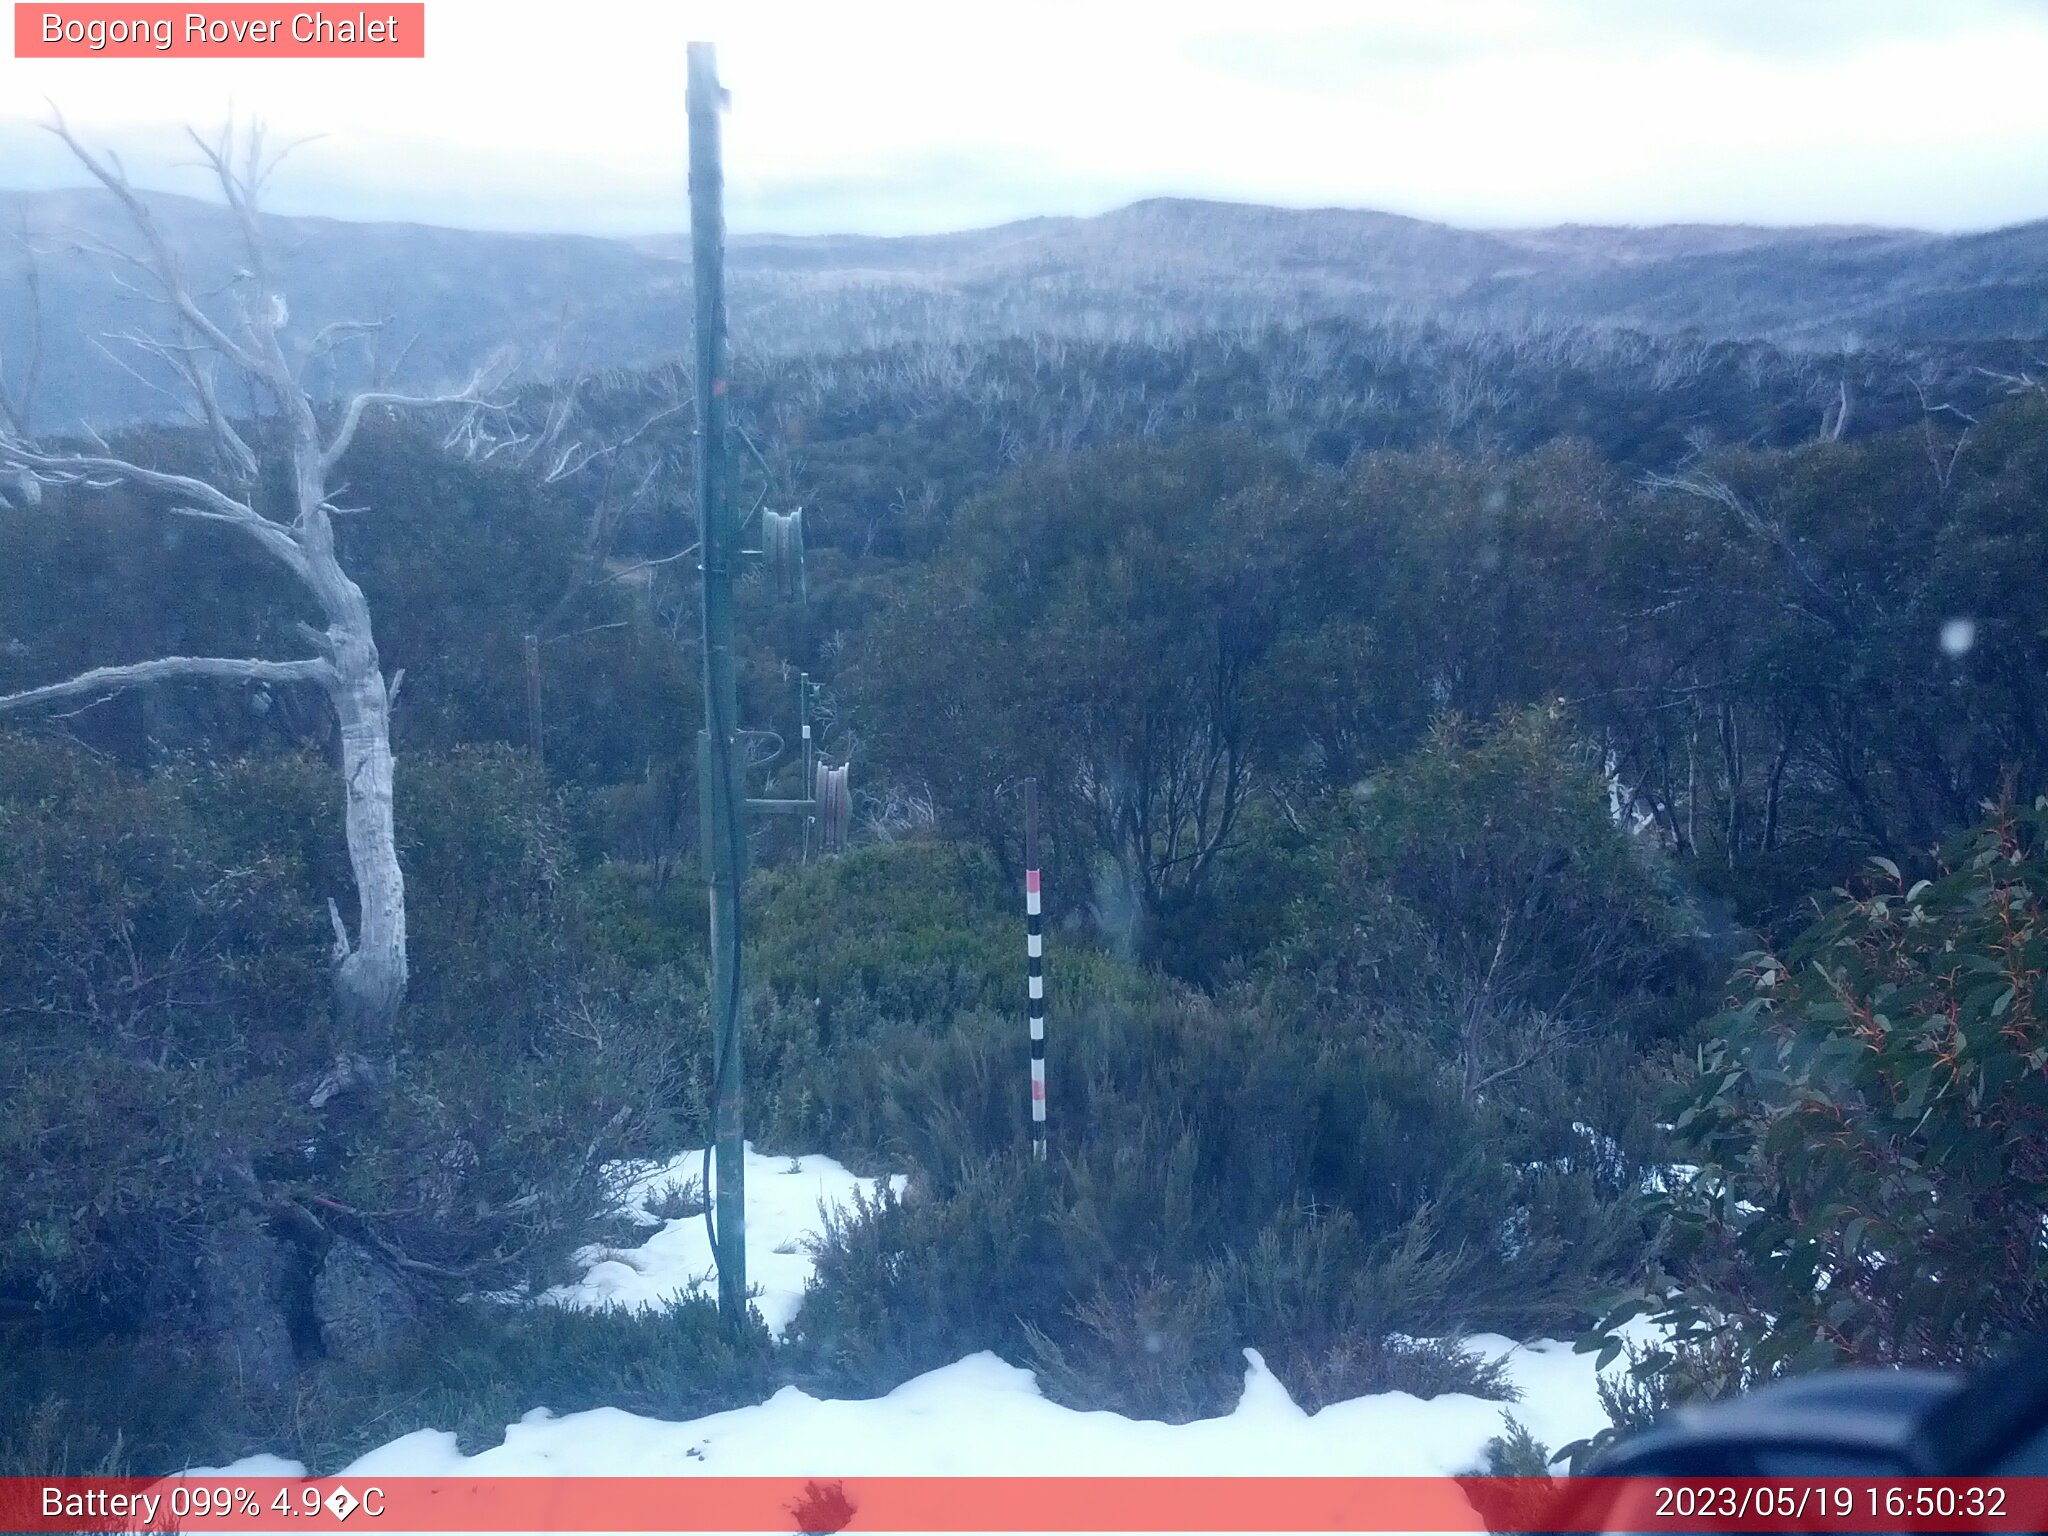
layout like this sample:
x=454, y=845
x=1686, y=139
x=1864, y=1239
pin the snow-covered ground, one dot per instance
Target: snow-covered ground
x=978, y=1416
x=785, y=1197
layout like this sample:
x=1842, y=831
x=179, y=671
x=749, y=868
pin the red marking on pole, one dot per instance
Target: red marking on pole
x=1034, y=946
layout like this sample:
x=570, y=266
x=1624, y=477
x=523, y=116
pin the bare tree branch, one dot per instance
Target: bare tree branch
x=336, y=334
x=17, y=400
x=475, y=393
x=67, y=468
x=371, y=977
x=195, y=498
x=112, y=680
x=163, y=264
x=1712, y=488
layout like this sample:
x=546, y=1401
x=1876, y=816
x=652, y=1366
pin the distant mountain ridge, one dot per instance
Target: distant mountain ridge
x=1146, y=272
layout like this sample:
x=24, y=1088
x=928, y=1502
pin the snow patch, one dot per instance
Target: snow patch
x=786, y=1201
x=983, y=1417
x=979, y=1416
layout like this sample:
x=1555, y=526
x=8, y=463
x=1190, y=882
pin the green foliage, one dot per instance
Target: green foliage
x=159, y=989
x=1784, y=702
x=906, y=1285
x=1755, y=646
x=486, y=1365
x=1097, y=621
x=1146, y=1346
x=496, y=1169
x=1476, y=899
x=87, y=1402
x=113, y=1406
x=1244, y=667
x=637, y=915
x=163, y=987
x=1868, y=1127
x=1500, y=845
x=1318, y=1161
x=888, y=1025
x=1249, y=913
x=1700, y=1368
x=42, y=1444
x=912, y=930
x=1224, y=1176
x=1008, y=1257
x=1517, y=1452
x=1361, y=1365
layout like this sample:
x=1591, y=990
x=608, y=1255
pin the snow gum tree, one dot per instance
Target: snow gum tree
x=274, y=482
x=1869, y=1127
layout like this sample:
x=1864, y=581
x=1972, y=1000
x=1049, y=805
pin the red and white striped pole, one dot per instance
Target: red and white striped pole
x=1034, y=948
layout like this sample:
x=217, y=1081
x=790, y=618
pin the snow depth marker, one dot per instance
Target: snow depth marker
x=1034, y=948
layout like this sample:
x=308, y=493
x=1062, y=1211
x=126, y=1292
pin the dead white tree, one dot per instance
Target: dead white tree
x=239, y=336
x=18, y=380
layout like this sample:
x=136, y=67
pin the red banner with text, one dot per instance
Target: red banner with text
x=1019, y=1504
x=238, y=31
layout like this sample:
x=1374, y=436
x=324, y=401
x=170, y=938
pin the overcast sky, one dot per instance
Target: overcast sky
x=893, y=117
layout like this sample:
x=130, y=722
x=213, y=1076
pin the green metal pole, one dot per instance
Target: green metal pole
x=719, y=790
x=807, y=786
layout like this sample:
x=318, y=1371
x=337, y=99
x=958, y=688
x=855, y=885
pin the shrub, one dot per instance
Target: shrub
x=1516, y=1452
x=1351, y=1365
x=910, y=933
x=1482, y=880
x=1869, y=1128
x=485, y=1365
x=159, y=989
x=906, y=1285
x=177, y=1211
x=1146, y=1346
x=1219, y=1179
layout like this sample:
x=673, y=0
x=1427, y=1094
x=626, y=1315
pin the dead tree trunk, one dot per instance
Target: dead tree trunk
x=370, y=978
x=370, y=973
